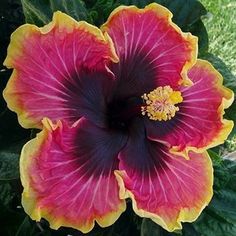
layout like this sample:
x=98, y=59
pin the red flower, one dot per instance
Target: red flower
x=130, y=112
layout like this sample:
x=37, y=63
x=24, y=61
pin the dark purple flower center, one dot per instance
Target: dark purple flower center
x=120, y=113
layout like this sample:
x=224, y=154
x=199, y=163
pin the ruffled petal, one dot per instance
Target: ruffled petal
x=51, y=66
x=199, y=122
x=152, y=49
x=68, y=176
x=164, y=187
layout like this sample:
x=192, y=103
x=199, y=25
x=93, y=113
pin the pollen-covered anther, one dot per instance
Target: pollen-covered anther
x=160, y=103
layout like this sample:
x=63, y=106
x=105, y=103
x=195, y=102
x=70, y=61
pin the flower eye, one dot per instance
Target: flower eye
x=160, y=103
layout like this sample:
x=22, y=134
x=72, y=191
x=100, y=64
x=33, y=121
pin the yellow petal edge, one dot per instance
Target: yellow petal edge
x=185, y=214
x=166, y=15
x=29, y=197
x=227, y=100
x=15, y=50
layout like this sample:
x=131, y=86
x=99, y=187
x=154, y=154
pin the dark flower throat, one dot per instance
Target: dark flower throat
x=120, y=113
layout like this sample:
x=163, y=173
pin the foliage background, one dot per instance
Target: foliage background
x=219, y=219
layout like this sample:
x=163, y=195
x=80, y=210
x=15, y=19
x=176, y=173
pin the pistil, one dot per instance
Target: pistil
x=160, y=104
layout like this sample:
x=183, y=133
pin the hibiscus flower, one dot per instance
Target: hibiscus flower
x=126, y=111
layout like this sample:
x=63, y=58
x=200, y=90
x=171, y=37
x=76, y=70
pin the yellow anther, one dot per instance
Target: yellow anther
x=160, y=103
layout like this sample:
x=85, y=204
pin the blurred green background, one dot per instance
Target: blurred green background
x=221, y=27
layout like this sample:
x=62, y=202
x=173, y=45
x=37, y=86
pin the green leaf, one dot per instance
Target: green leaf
x=188, y=230
x=219, y=218
x=185, y=12
x=100, y=10
x=39, y=12
x=10, y=130
x=25, y=228
x=10, y=215
x=31, y=228
x=10, y=221
x=9, y=165
x=221, y=176
x=6, y=195
x=229, y=78
x=74, y=8
x=9, y=162
x=229, y=81
x=198, y=29
x=216, y=159
x=150, y=228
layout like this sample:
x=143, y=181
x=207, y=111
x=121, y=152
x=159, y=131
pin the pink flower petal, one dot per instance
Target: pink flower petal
x=199, y=123
x=50, y=65
x=164, y=187
x=68, y=176
x=152, y=49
